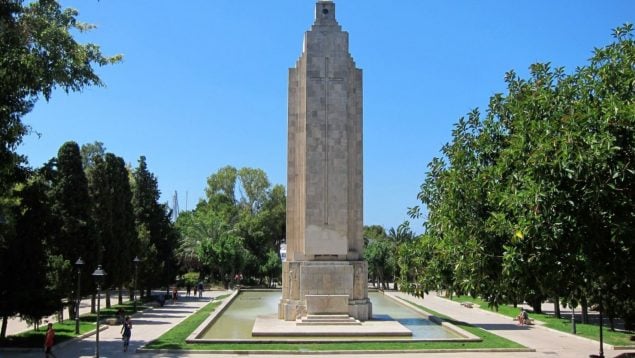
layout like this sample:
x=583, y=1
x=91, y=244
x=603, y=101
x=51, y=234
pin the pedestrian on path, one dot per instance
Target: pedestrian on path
x=49, y=341
x=126, y=332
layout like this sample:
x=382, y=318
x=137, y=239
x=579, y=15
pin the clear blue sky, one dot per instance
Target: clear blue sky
x=203, y=83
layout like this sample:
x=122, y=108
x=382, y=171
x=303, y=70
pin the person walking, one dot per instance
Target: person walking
x=49, y=341
x=126, y=332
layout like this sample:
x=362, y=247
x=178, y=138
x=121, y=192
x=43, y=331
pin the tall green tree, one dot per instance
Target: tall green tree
x=157, y=236
x=25, y=289
x=114, y=218
x=72, y=206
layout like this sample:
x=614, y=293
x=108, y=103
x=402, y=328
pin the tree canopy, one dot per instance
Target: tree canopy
x=536, y=198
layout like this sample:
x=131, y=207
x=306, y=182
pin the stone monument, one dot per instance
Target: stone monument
x=324, y=272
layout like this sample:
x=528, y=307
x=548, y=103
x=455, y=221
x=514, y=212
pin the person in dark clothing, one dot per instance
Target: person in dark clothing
x=126, y=332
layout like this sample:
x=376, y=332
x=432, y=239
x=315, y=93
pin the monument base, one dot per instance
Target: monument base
x=267, y=326
x=325, y=287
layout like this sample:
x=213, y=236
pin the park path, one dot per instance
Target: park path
x=147, y=326
x=150, y=324
x=546, y=342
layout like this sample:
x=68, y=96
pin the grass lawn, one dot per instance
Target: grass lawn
x=175, y=339
x=65, y=330
x=591, y=331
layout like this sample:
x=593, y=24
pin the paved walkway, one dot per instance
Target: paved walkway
x=150, y=324
x=147, y=325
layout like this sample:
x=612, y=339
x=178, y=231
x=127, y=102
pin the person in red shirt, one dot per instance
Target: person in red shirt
x=49, y=341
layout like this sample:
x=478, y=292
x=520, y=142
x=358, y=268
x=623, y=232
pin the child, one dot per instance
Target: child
x=49, y=341
x=126, y=332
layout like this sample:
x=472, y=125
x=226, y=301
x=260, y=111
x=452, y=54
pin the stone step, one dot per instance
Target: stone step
x=329, y=323
x=327, y=316
x=328, y=320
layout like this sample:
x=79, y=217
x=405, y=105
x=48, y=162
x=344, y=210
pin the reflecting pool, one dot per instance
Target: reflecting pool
x=237, y=321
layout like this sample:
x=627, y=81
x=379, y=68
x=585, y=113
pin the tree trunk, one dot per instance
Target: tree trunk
x=556, y=307
x=536, y=305
x=585, y=310
x=93, y=303
x=107, y=298
x=3, y=331
x=120, y=296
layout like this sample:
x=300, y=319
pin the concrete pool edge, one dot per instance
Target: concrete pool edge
x=193, y=338
x=471, y=337
x=212, y=317
x=365, y=351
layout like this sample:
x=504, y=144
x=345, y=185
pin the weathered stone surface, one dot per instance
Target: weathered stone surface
x=326, y=304
x=324, y=198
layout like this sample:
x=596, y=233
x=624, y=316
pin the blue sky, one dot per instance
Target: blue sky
x=203, y=83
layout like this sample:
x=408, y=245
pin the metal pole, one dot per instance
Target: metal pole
x=573, y=320
x=601, y=336
x=136, y=278
x=79, y=283
x=78, y=264
x=97, y=339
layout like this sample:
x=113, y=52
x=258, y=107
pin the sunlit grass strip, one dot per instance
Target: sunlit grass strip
x=175, y=338
x=591, y=331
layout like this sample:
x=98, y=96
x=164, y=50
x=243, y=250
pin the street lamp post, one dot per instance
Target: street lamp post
x=99, y=277
x=601, y=336
x=134, y=290
x=78, y=264
x=573, y=320
x=601, y=355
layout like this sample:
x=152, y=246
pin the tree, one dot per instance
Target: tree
x=39, y=54
x=157, y=236
x=114, y=217
x=536, y=199
x=256, y=220
x=72, y=206
x=34, y=228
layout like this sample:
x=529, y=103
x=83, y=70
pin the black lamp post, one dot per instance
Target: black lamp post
x=573, y=329
x=601, y=355
x=78, y=264
x=134, y=290
x=99, y=277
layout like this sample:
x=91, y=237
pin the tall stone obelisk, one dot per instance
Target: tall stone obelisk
x=325, y=272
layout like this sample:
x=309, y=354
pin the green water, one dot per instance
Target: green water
x=237, y=321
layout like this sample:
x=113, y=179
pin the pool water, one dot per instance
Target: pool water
x=237, y=321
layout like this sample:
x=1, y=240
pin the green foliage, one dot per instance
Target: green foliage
x=535, y=199
x=39, y=54
x=191, y=278
x=226, y=235
x=113, y=215
x=157, y=237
